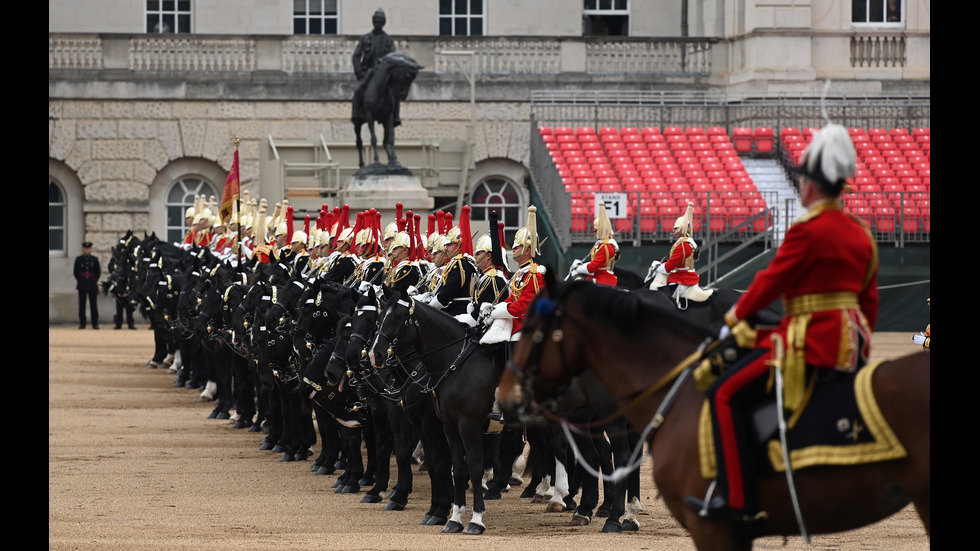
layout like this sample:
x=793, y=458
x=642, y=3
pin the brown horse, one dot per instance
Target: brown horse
x=636, y=350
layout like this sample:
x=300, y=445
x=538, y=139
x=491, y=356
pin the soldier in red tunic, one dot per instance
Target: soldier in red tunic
x=603, y=254
x=527, y=281
x=826, y=272
x=679, y=267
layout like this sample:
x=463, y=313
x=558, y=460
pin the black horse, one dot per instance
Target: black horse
x=404, y=414
x=462, y=383
x=388, y=86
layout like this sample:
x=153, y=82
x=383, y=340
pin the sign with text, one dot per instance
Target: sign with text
x=614, y=203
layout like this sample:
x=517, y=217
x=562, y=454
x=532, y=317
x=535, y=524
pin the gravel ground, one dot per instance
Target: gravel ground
x=135, y=465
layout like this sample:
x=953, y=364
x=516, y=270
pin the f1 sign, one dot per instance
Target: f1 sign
x=614, y=203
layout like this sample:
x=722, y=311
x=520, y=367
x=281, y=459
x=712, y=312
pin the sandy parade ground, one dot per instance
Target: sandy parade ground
x=134, y=464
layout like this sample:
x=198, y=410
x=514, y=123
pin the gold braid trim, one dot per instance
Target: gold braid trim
x=800, y=310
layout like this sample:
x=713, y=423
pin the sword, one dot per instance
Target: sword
x=777, y=341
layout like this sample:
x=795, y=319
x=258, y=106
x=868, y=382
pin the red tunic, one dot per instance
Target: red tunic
x=526, y=283
x=601, y=266
x=680, y=265
x=825, y=253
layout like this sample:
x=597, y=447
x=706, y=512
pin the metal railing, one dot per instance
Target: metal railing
x=632, y=108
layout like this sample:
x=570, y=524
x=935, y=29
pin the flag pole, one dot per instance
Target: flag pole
x=238, y=223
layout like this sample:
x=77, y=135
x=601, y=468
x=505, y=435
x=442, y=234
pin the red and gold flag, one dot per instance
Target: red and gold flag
x=232, y=190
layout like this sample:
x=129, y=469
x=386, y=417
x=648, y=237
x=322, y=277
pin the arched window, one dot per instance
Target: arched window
x=56, y=217
x=502, y=195
x=179, y=198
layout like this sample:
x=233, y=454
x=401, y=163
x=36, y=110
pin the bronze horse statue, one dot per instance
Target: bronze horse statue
x=643, y=355
x=386, y=87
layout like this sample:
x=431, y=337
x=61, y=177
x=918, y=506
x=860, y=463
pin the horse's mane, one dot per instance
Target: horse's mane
x=625, y=312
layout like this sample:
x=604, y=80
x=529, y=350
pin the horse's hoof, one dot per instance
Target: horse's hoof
x=213, y=414
x=266, y=428
x=603, y=510
x=631, y=526
x=580, y=520
x=391, y=493
x=287, y=458
x=425, y=520
x=570, y=504
x=350, y=489
x=323, y=469
x=314, y=467
x=528, y=492
x=395, y=506
x=491, y=494
x=612, y=526
x=539, y=498
x=437, y=520
x=255, y=427
x=266, y=446
x=452, y=527
x=371, y=498
x=554, y=507
x=475, y=529
x=242, y=424
x=339, y=465
x=278, y=448
x=423, y=467
x=366, y=481
x=222, y=415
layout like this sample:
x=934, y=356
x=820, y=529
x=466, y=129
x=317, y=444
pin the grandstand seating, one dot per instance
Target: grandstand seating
x=662, y=169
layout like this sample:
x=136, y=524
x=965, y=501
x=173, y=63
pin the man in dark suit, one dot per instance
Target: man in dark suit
x=87, y=272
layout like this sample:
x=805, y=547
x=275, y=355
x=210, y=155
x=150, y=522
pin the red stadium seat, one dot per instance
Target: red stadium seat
x=564, y=130
x=742, y=137
x=764, y=139
x=672, y=130
x=716, y=131
x=580, y=219
x=648, y=219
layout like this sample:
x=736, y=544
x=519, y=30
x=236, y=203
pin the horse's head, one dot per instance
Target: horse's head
x=335, y=367
x=397, y=71
x=396, y=317
x=576, y=326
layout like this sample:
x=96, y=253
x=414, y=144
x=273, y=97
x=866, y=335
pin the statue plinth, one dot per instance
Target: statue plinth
x=378, y=169
x=383, y=191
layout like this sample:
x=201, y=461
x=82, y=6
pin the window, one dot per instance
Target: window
x=56, y=217
x=606, y=18
x=168, y=16
x=461, y=17
x=179, y=198
x=876, y=11
x=501, y=195
x=314, y=16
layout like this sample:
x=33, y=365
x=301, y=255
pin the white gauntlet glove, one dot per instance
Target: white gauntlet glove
x=919, y=339
x=500, y=312
x=661, y=269
x=581, y=270
x=724, y=332
x=485, y=310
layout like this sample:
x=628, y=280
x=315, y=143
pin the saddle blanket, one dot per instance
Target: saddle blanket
x=840, y=424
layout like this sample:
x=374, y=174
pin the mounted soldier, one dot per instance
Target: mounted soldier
x=603, y=255
x=454, y=288
x=370, y=48
x=826, y=273
x=677, y=276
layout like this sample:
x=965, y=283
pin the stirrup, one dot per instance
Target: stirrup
x=710, y=504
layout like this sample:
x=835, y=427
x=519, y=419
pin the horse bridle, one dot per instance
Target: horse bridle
x=548, y=310
x=392, y=361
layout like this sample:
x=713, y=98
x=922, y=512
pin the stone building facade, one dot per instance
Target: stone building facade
x=133, y=114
